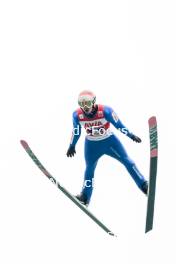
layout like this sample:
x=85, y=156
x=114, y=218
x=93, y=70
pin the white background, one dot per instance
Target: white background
x=49, y=51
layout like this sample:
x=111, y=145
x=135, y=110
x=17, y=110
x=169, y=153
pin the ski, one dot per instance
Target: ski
x=61, y=188
x=153, y=172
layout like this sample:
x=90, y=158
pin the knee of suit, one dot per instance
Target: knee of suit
x=89, y=174
x=128, y=162
x=90, y=167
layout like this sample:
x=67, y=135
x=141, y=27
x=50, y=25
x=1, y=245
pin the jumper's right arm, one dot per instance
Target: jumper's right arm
x=76, y=133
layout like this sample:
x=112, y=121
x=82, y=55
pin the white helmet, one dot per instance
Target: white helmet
x=86, y=98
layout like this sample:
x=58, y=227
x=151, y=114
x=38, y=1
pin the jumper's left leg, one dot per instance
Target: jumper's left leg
x=117, y=151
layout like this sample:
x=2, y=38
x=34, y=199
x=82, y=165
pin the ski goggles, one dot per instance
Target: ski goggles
x=84, y=103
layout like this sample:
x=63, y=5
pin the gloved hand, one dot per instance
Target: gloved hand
x=136, y=139
x=71, y=151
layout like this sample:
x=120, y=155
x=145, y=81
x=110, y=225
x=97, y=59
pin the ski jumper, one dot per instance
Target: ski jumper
x=101, y=141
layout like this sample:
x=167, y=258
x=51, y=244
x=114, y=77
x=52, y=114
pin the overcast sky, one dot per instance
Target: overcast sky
x=49, y=51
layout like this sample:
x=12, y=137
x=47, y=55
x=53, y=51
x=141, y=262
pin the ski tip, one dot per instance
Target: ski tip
x=152, y=121
x=24, y=143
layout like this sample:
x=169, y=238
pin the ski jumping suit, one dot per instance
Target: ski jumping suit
x=99, y=141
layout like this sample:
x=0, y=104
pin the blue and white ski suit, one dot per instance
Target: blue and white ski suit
x=99, y=141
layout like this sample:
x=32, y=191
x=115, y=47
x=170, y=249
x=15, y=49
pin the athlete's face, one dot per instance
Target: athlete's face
x=86, y=106
x=87, y=109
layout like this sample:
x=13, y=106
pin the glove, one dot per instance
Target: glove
x=136, y=139
x=71, y=151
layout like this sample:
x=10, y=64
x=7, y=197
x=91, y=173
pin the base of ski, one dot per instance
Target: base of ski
x=153, y=173
x=61, y=188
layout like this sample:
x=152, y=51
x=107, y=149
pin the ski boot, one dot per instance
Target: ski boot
x=82, y=199
x=144, y=188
